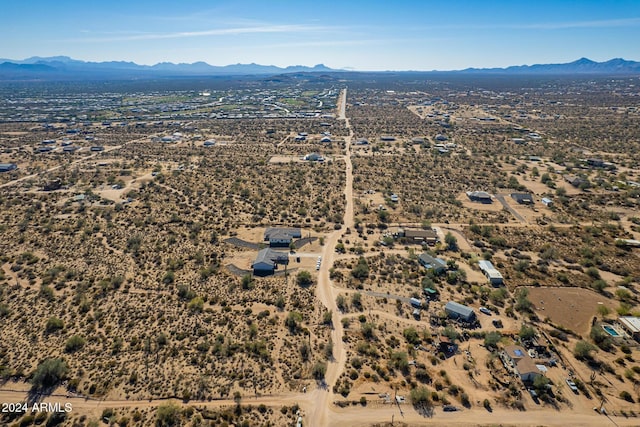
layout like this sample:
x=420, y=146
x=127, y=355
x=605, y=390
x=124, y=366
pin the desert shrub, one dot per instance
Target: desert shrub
x=293, y=321
x=4, y=310
x=361, y=270
x=583, y=350
x=411, y=335
x=626, y=396
x=49, y=373
x=168, y=414
x=54, y=324
x=601, y=338
x=196, y=304
x=74, y=343
x=247, y=282
x=304, y=278
x=492, y=338
x=421, y=400
x=319, y=370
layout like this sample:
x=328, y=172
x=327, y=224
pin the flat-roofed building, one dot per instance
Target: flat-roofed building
x=631, y=325
x=494, y=276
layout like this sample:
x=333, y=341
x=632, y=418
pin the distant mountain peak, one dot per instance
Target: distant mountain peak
x=584, y=60
x=580, y=66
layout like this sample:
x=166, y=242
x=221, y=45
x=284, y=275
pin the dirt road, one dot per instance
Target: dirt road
x=319, y=415
x=348, y=417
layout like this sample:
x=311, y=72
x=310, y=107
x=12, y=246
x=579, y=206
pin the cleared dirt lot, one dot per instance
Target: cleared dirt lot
x=572, y=308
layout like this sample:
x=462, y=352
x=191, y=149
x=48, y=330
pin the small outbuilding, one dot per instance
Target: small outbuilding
x=523, y=198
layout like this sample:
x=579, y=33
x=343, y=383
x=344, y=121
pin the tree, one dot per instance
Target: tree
x=328, y=349
x=293, y=321
x=526, y=332
x=561, y=191
x=49, y=373
x=451, y=241
x=599, y=285
x=168, y=414
x=540, y=383
x=319, y=369
x=368, y=330
x=603, y=310
x=356, y=300
x=305, y=351
x=361, y=270
x=421, y=400
x=522, y=301
x=400, y=360
x=383, y=215
x=388, y=241
x=583, y=350
x=247, y=281
x=601, y=338
x=450, y=333
x=411, y=335
x=492, y=339
x=327, y=318
x=304, y=279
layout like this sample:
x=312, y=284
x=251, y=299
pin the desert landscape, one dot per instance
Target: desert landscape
x=324, y=250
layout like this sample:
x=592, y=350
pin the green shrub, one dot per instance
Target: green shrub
x=49, y=373
x=74, y=343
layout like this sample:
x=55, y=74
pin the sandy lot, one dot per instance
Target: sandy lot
x=572, y=308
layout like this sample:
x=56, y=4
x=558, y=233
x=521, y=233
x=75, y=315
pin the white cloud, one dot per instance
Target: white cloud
x=261, y=29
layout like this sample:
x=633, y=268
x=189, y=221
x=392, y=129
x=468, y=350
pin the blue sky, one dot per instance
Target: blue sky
x=361, y=35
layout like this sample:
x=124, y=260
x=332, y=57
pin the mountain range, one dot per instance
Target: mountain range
x=63, y=67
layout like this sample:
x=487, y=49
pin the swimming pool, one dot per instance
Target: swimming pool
x=610, y=330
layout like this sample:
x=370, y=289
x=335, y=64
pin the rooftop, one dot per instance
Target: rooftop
x=632, y=323
x=458, y=308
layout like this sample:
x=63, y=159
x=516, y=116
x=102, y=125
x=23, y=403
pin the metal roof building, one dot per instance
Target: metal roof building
x=459, y=311
x=631, y=325
x=7, y=167
x=494, y=276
